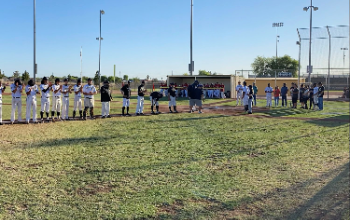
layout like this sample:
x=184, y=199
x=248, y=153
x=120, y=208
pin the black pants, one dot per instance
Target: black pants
x=311, y=102
x=284, y=100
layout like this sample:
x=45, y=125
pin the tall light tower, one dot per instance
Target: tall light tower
x=99, y=56
x=34, y=40
x=344, y=49
x=311, y=7
x=191, y=65
x=277, y=25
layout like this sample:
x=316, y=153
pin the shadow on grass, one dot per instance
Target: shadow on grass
x=279, y=203
x=335, y=121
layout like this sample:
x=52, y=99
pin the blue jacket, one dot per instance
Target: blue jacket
x=284, y=90
x=197, y=93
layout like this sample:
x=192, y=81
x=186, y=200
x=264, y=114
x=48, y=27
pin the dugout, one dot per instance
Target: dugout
x=261, y=83
x=229, y=81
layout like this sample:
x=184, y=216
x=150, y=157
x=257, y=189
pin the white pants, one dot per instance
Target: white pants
x=0, y=110
x=172, y=101
x=126, y=102
x=31, y=105
x=65, y=106
x=45, y=104
x=56, y=104
x=139, y=106
x=88, y=103
x=105, y=108
x=16, y=102
x=222, y=95
x=268, y=99
x=239, y=97
x=78, y=104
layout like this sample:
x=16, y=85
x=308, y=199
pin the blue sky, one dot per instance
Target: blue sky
x=151, y=37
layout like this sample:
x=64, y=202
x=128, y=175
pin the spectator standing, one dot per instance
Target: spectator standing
x=295, y=95
x=276, y=94
x=315, y=97
x=250, y=99
x=284, y=91
x=291, y=93
x=268, y=91
x=255, y=92
x=320, y=96
x=302, y=90
x=311, y=95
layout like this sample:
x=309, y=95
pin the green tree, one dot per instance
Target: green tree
x=85, y=79
x=110, y=79
x=136, y=80
x=185, y=74
x=118, y=80
x=103, y=78
x=126, y=77
x=267, y=66
x=25, y=76
x=16, y=74
x=96, y=78
x=69, y=77
x=52, y=78
x=203, y=73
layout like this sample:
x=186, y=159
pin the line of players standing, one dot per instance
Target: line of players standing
x=60, y=99
x=210, y=90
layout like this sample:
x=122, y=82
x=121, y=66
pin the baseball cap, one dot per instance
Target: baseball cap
x=89, y=79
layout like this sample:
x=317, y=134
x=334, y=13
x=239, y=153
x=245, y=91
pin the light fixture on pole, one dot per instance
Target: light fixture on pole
x=311, y=7
x=99, y=56
x=277, y=25
x=191, y=65
x=34, y=40
x=347, y=78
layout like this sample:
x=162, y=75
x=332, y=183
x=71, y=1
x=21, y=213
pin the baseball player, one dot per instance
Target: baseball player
x=16, y=91
x=106, y=98
x=245, y=95
x=78, y=89
x=140, y=98
x=45, y=99
x=268, y=91
x=2, y=90
x=172, y=97
x=56, y=100
x=89, y=91
x=31, y=91
x=239, y=90
x=126, y=92
x=155, y=96
x=66, y=89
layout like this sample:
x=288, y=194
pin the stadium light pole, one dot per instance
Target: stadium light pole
x=311, y=7
x=191, y=66
x=34, y=39
x=99, y=56
x=299, y=43
x=277, y=25
x=347, y=78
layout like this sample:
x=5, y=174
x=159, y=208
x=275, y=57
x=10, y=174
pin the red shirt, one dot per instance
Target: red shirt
x=276, y=93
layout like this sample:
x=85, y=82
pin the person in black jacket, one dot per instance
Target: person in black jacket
x=191, y=93
x=126, y=92
x=155, y=96
x=172, y=97
x=106, y=98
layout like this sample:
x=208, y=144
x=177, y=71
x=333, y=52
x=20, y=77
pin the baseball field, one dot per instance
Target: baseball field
x=278, y=163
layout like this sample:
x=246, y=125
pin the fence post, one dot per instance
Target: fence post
x=329, y=62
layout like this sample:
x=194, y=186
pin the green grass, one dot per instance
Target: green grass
x=184, y=166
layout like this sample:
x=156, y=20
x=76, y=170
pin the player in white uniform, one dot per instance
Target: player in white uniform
x=2, y=90
x=89, y=91
x=268, y=91
x=45, y=99
x=31, y=91
x=56, y=99
x=16, y=90
x=66, y=89
x=239, y=90
x=78, y=90
x=140, y=98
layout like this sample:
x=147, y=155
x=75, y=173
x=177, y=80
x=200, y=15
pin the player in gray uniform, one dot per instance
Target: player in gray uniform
x=56, y=100
x=66, y=89
x=16, y=90
x=45, y=99
x=78, y=89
